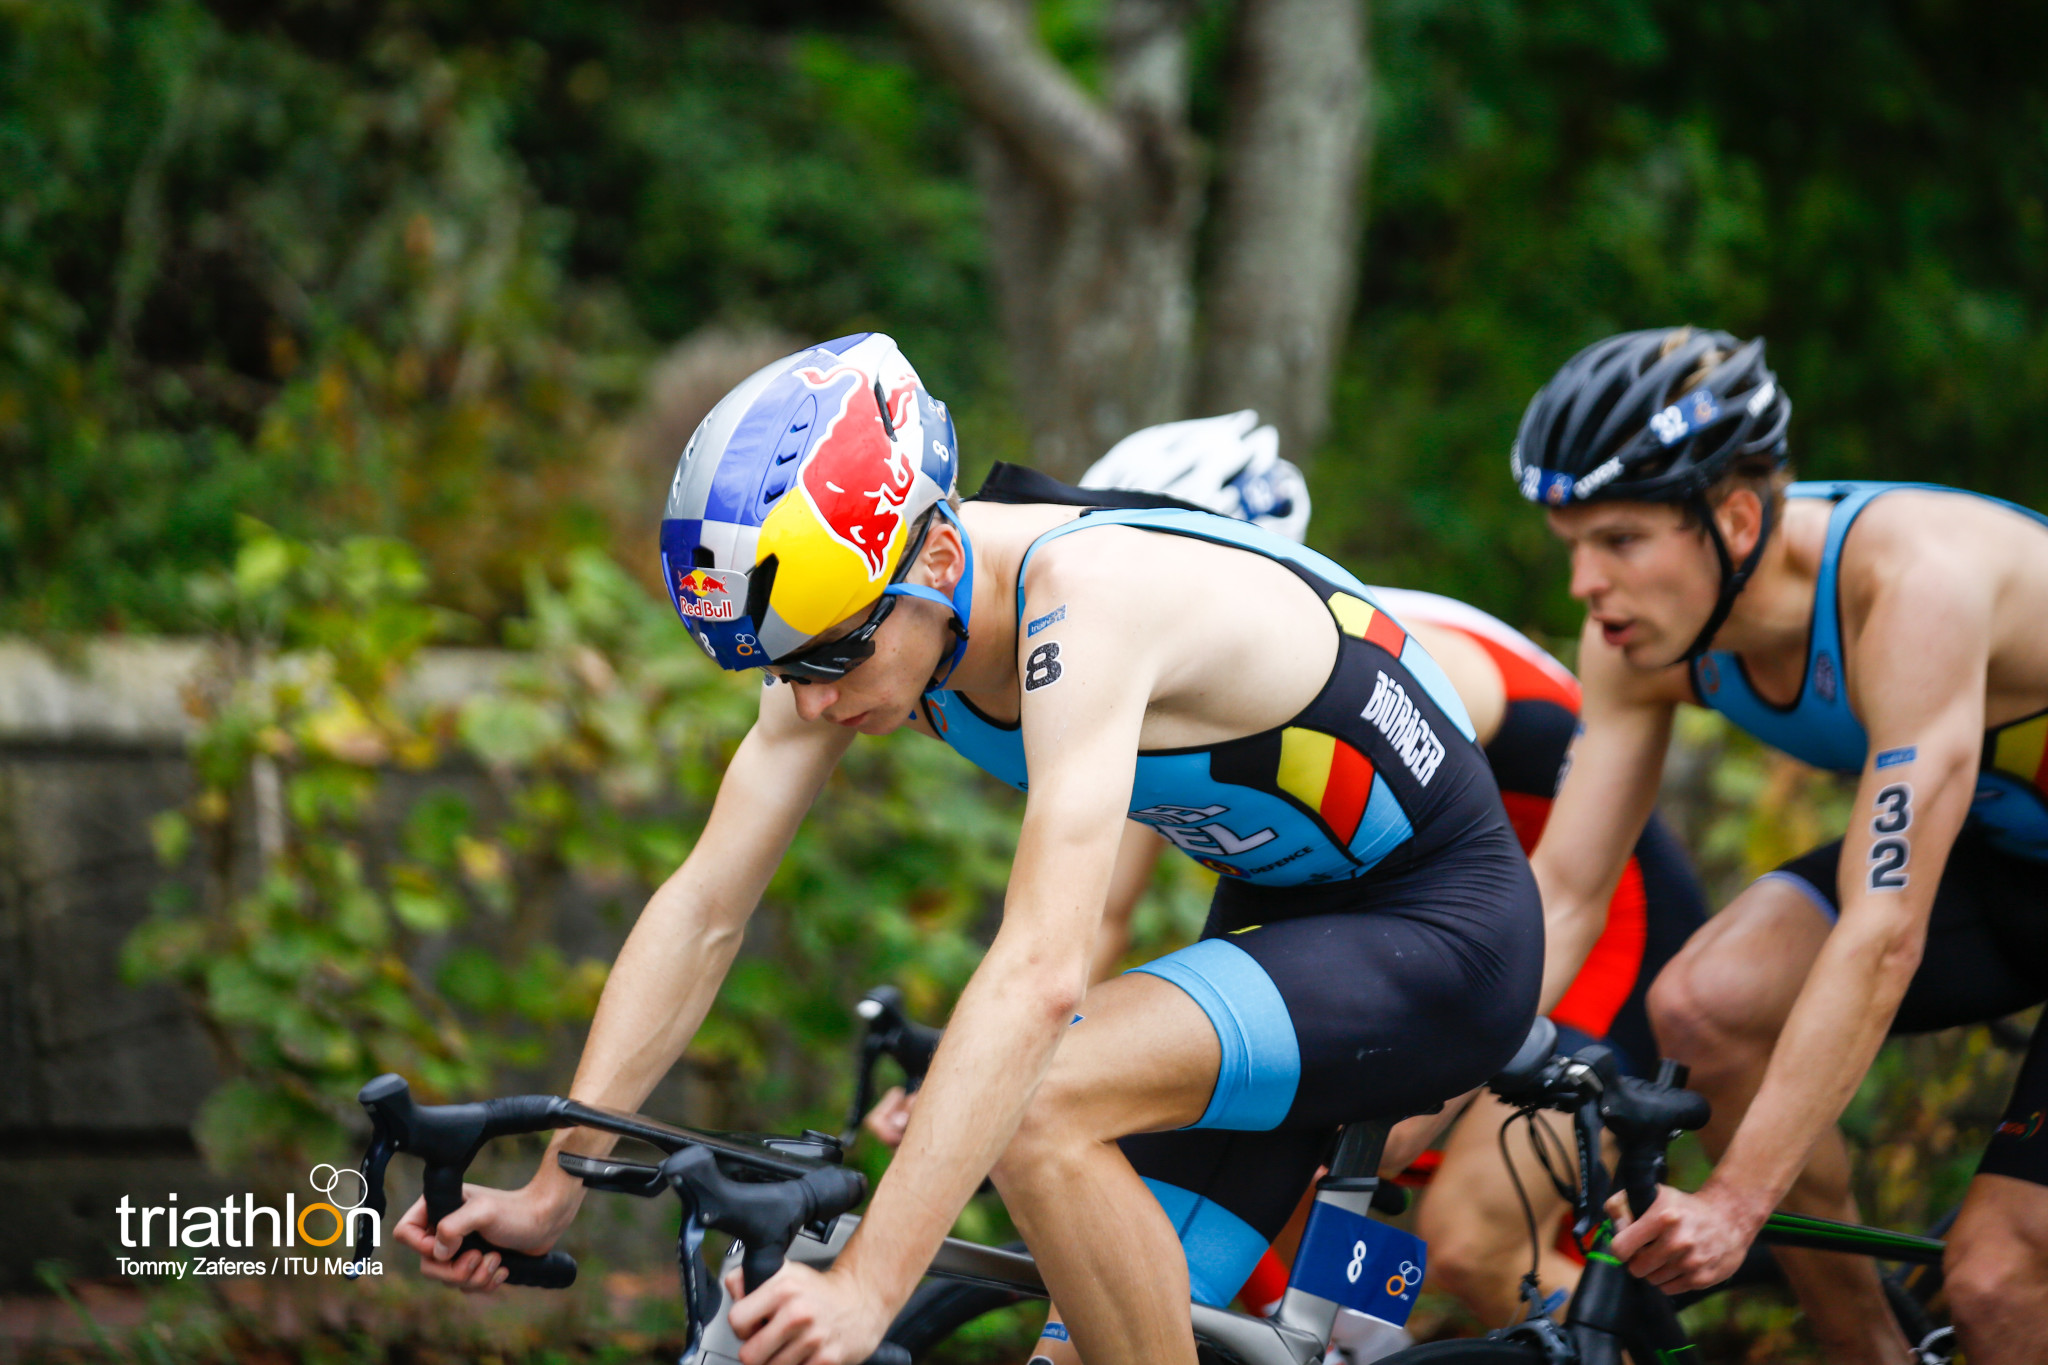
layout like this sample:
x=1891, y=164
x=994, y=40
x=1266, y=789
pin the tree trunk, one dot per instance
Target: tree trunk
x=1092, y=205
x=1289, y=207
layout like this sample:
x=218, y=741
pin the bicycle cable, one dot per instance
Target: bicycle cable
x=1532, y=1281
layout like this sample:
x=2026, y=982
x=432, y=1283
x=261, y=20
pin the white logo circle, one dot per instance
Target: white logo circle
x=1357, y=1266
x=335, y=1186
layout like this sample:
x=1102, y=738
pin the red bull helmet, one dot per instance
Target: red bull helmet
x=796, y=501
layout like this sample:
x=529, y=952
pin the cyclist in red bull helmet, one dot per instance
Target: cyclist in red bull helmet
x=1890, y=630
x=1375, y=942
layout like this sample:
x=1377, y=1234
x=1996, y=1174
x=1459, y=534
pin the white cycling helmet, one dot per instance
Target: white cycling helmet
x=1227, y=464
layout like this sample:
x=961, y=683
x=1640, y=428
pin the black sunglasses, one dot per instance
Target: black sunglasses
x=831, y=660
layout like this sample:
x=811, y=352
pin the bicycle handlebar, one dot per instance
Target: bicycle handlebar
x=762, y=1189
x=892, y=1033
x=447, y=1138
x=763, y=1218
x=1644, y=1116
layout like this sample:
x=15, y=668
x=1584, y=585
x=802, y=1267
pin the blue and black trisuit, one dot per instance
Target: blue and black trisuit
x=1375, y=945
x=1987, y=939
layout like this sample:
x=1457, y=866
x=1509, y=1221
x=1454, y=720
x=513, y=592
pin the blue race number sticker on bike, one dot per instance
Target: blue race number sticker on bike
x=1360, y=1263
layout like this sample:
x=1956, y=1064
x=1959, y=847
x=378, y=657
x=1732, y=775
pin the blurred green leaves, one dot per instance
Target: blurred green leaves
x=1862, y=184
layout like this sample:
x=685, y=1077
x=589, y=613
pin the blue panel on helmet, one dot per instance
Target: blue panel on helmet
x=841, y=345
x=1553, y=487
x=680, y=537
x=796, y=433
x=941, y=454
x=711, y=602
x=748, y=466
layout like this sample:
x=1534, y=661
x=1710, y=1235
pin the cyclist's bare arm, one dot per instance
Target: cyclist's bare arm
x=1081, y=734
x=1917, y=672
x=1137, y=853
x=673, y=962
x=1608, y=789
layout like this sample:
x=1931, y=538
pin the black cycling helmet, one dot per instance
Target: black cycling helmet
x=1612, y=425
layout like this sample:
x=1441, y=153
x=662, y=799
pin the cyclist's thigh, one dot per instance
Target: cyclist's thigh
x=2001, y=1235
x=1336, y=1003
x=1987, y=940
x=1140, y=1055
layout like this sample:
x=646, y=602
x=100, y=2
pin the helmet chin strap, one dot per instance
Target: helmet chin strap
x=1733, y=579
x=960, y=604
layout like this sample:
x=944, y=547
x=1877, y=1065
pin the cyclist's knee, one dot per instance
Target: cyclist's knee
x=1986, y=1281
x=1995, y=1265
x=1049, y=1134
x=1707, y=1016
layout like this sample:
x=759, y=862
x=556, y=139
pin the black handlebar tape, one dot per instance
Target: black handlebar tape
x=1640, y=1171
x=524, y=1114
x=1638, y=1110
x=889, y=1353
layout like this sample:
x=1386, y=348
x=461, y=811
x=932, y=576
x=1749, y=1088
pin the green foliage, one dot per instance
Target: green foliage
x=1862, y=184
x=371, y=268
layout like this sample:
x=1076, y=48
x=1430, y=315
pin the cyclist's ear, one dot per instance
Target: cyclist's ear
x=943, y=559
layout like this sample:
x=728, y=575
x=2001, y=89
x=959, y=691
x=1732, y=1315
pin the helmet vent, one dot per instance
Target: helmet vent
x=794, y=437
x=882, y=406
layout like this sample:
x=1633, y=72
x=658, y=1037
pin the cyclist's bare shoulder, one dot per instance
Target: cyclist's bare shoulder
x=1229, y=640
x=1920, y=554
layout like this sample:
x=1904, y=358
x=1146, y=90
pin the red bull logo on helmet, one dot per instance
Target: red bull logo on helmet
x=704, y=596
x=857, y=478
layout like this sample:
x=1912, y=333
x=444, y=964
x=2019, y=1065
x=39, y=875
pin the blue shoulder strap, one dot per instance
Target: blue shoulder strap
x=1818, y=728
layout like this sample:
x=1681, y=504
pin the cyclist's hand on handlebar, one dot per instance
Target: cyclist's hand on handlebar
x=1685, y=1241
x=891, y=1116
x=517, y=1220
x=800, y=1317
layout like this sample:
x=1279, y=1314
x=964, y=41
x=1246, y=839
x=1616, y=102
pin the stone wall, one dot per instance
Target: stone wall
x=100, y=1081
